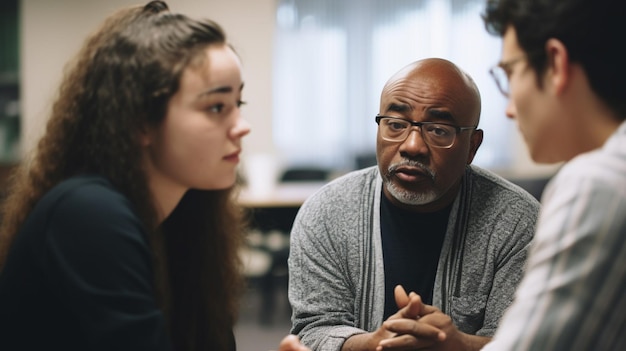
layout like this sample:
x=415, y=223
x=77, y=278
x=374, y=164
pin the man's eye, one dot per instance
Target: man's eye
x=396, y=126
x=241, y=103
x=438, y=130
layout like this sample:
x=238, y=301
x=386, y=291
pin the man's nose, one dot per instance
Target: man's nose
x=414, y=143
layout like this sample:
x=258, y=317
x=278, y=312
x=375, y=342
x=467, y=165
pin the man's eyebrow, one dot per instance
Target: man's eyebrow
x=440, y=115
x=398, y=108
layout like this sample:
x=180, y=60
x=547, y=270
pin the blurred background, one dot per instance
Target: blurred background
x=313, y=69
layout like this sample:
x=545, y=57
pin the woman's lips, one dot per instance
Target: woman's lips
x=234, y=157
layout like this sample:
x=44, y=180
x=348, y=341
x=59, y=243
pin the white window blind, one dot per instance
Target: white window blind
x=332, y=58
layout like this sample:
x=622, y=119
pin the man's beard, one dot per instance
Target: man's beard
x=410, y=197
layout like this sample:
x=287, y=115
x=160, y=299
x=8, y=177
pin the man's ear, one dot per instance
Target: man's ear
x=558, y=72
x=475, y=140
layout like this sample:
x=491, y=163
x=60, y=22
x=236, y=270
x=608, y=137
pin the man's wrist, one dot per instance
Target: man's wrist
x=360, y=342
x=473, y=342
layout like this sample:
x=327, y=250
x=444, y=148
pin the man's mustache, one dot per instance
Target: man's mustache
x=411, y=163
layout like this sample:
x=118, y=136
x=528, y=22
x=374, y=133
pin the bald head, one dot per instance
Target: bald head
x=433, y=95
x=441, y=77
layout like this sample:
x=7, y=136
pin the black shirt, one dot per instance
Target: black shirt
x=411, y=246
x=79, y=275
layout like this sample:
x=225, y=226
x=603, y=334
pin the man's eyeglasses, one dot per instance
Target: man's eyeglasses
x=501, y=72
x=435, y=134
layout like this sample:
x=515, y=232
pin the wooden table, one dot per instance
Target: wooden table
x=287, y=194
x=271, y=218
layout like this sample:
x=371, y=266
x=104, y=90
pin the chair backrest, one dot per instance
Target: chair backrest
x=534, y=186
x=365, y=160
x=304, y=174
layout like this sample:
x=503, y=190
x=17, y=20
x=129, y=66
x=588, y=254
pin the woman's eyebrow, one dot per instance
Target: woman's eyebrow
x=225, y=89
x=219, y=90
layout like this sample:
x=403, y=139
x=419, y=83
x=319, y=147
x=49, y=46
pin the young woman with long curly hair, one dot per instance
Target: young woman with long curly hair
x=122, y=230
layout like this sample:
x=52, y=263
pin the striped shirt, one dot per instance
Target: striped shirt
x=573, y=295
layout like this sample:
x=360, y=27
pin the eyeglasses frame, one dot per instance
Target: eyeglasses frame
x=458, y=129
x=506, y=67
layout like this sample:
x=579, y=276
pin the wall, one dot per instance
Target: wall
x=52, y=31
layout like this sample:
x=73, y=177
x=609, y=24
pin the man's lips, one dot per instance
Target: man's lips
x=411, y=174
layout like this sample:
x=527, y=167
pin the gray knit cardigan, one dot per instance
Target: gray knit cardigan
x=336, y=273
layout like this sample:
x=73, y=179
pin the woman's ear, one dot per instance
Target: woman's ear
x=558, y=72
x=145, y=136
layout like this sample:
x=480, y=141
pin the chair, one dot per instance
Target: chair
x=365, y=160
x=304, y=174
x=534, y=186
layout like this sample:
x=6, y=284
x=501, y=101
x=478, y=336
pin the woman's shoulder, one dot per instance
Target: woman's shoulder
x=80, y=184
x=84, y=198
x=81, y=218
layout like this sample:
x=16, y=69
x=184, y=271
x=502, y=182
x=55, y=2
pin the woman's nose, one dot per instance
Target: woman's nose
x=241, y=129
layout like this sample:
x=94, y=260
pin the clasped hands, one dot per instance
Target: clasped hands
x=417, y=326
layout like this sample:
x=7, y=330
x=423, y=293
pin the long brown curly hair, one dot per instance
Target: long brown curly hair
x=119, y=83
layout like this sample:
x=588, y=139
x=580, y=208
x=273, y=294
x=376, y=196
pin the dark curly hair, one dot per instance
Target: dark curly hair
x=592, y=31
x=121, y=81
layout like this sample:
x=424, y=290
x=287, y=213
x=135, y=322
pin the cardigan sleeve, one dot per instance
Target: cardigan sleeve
x=330, y=263
x=321, y=294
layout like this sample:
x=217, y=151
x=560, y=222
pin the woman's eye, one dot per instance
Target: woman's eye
x=219, y=108
x=216, y=108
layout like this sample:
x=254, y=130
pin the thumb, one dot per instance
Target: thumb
x=402, y=299
x=415, y=308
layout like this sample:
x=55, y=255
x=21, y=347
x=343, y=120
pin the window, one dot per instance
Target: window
x=332, y=58
x=9, y=84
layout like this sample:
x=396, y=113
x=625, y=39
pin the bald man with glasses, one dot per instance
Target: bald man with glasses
x=425, y=242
